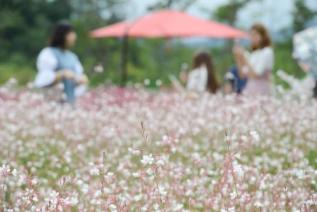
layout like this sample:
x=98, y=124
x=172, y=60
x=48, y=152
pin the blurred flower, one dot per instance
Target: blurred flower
x=147, y=82
x=98, y=68
x=147, y=159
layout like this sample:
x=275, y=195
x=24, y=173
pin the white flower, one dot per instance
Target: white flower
x=34, y=182
x=255, y=135
x=72, y=201
x=110, y=174
x=147, y=82
x=97, y=193
x=5, y=170
x=149, y=171
x=136, y=174
x=84, y=188
x=158, y=83
x=231, y=209
x=94, y=171
x=160, y=162
x=178, y=207
x=113, y=207
x=147, y=159
x=14, y=172
x=156, y=206
x=263, y=186
x=258, y=204
x=138, y=197
x=98, y=68
x=233, y=195
x=162, y=190
x=238, y=169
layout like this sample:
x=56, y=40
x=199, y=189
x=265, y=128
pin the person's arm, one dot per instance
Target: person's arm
x=246, y=70
x=304, y=66
x=183, y=76
x=81, y=78
x=46, y=65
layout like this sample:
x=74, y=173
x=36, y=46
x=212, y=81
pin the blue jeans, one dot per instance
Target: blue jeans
x=69, y=90
x=237, y=83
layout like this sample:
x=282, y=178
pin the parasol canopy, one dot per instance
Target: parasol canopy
x=168, y=24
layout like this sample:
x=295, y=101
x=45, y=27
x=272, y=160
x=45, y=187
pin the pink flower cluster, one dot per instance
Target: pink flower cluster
x=138, y=150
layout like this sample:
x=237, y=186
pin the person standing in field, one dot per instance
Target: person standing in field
x=257, y=65
x=56, y=64
x=305, y=52
x=202, y=77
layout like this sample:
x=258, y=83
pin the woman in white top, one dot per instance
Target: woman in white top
x=57, y=64
x=256, y=66
x=202, y=78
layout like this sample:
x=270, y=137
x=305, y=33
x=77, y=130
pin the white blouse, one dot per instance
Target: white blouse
x=197, y=79
x=46, y=65
x=261, y=60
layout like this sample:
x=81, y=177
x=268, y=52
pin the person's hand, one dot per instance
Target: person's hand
x=304, y=66
x=82, y=79
x=183, y=76
x=238, y=51
x=67, y=74
x=64, y=74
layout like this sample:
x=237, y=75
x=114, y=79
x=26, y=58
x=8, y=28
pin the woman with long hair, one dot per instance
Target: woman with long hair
x=57, y=64
x=202, y=77
x=257, y=65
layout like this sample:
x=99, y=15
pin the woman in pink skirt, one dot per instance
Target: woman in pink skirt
x=256, y=66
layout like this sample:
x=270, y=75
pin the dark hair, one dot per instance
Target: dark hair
x=58, y=38
x=205, y=59
x=265, y=37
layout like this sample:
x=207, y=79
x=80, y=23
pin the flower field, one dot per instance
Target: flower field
x=138, y=150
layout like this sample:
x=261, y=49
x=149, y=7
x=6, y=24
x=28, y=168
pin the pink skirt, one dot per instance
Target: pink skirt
x=257, y=87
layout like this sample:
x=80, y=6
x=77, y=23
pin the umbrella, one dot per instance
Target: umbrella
x=165, y=24
x=168, y=23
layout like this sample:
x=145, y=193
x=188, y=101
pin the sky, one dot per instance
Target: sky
x=275, y=14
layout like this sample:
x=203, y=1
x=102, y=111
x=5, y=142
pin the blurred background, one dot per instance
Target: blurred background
x=26, y=25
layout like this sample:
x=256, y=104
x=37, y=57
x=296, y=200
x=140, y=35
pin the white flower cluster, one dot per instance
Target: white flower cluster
x=193, y=152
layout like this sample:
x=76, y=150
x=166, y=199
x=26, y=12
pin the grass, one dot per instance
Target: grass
x=23, y=73
x=312, y=158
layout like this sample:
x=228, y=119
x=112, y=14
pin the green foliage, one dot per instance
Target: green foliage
x=285, y=62
x=302, y=14
x=25, y=23
x=312, y=158
x=24, y=73
x=172, y=4
x=227, y=13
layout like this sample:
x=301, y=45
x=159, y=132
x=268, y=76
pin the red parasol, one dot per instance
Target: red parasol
x=166, y=24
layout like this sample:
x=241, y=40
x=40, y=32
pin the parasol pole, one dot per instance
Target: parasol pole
x=124, y=60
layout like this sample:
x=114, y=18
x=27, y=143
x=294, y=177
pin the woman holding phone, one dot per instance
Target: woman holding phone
x=257, y=65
